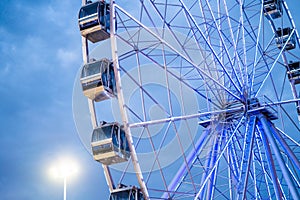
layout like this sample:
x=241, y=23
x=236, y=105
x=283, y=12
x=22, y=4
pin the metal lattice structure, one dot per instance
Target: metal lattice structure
x=208, y=95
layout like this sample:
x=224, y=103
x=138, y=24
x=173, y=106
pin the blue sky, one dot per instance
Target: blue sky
x=40, y=54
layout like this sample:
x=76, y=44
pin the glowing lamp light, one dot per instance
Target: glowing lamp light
x=64, y=169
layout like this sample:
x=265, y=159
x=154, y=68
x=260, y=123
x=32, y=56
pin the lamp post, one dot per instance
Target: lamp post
x=64, y=169
x=65, y=188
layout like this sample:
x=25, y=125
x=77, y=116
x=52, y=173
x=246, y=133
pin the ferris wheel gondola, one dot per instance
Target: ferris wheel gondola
x=109, y=144
x=294, y=72
x=126, y=193
x=285, y=37
x=273, y=8
x=93, y=20
x=98, y=80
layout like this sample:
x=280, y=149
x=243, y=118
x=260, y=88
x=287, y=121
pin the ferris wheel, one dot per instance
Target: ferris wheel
x=193, y=99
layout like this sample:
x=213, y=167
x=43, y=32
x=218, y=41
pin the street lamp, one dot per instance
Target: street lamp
x=64, y=169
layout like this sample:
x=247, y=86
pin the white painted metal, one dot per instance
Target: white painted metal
x=114, y=50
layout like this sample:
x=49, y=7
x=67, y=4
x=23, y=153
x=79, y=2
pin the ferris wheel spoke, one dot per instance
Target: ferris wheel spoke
x=197, y=30
x=234, y=43
x=210, y=158
x=254, y=33
x=167, y=82
x=170, y=48
x=170, y=26
x=159, y=150
x=156, y=159
x=296, y=143
x=191, y=158
x=260, y=68
x=177, y=77
x=243, y=41
x=267, y=57
x=274, y=64
x=170, y=72
x=223, y=46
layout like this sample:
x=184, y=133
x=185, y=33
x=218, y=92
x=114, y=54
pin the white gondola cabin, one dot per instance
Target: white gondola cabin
x=98, y=80
x=294, y=72
x=283, y=36
x=94, y=21
x=109, y=144
x=272, y=8
x=126, y=193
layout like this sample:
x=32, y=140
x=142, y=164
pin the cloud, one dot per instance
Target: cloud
x=67, y=58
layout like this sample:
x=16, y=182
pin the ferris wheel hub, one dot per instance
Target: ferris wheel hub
x=254, y=107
